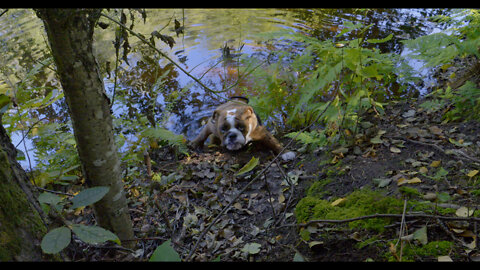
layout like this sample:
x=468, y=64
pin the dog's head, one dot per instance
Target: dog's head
x=234, y=125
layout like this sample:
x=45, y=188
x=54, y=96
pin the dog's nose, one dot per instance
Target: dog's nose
x=232, y=136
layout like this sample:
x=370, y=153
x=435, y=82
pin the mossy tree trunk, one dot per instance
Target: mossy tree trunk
x=22, y=222
x=70, y=34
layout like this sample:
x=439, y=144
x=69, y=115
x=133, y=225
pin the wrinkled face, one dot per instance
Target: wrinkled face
x=234, y=127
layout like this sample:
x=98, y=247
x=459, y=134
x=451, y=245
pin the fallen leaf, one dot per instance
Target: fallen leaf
x=414, y=180
x=403, y=180
x=435, y=163
x=248, y=167
x=472, y=173
x=338, y=201
x=281, y=198
x=464, y=212
x=421, y=235
x=430, y=196
x=341, y=150
x=435, y=130
x=409, y=113
x=394, y=149
x=444, y=259
x=382, y=182
x=251, y=248
x=315, y=243
x=423, y=170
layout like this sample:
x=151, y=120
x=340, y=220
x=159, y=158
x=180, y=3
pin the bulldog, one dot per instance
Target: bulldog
x=234, y=124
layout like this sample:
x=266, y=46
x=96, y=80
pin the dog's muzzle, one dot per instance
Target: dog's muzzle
x=234, y=139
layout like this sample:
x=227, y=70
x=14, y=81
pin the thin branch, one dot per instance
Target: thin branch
x=163, y=54
x=425, y=216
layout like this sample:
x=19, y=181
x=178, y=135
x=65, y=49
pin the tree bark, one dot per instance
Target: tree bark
x=22, y=222
x=70, y=34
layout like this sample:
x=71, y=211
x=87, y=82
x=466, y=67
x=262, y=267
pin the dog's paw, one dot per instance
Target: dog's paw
x=288, y=156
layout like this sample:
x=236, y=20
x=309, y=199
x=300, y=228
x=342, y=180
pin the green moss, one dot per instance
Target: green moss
x=358, y=203
x=411, y=252
x=317, y=188
x=409, y=192
x=16, y=214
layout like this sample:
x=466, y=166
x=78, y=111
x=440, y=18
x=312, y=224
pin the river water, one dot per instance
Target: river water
x=178, y=103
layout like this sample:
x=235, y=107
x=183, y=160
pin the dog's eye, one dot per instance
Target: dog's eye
x=241, y=128
x=224, y=128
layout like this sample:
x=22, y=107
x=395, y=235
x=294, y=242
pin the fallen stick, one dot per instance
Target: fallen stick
x=383, y=216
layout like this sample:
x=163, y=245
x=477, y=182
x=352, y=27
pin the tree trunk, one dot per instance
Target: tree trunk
x=22, y=222
x=70, y=34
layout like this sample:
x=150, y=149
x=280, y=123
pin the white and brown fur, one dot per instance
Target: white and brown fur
x=234, y=124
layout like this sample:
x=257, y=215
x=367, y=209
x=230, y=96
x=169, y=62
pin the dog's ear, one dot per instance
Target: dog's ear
x=215, y=116
x=249, y=112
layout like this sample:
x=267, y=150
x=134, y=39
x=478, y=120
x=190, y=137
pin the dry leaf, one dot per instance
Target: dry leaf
x=435, y=130
x=435, y=163
x=338, y=201
x=394, y=149
x=444, y=259
x=403, y=180
x=414, y=180
x=281, y=198
x=464, y=212
x=423, y=170
x=472, y=173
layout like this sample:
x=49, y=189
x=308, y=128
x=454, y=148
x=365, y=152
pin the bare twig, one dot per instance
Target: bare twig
x=402, y=228
x=413, y=215
x=458, y=153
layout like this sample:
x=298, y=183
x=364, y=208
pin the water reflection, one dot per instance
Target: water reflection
x=151, y=86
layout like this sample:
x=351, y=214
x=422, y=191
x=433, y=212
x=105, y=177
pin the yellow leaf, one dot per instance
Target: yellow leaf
x=414, y=180
x=423, y=170
x=472, y=173
x=435, y=163
x=401, y=181
x=338, y=201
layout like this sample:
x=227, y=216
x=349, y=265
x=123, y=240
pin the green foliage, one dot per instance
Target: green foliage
x=165, y=136
x=466, y=102
x=59, y=238
x=434, y=249
x=461, y=39
x=349, y=72
x=165, y=253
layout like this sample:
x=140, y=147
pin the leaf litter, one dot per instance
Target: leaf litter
x=407, y=149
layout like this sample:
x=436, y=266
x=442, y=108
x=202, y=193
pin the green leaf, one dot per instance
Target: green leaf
x=421, y=235
x=89, y=196
x=49, y=198
x=248, y=167
x=373, y=40
x=4, y=103
x=94, y=234
x=165, y=253
x=56, y=240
